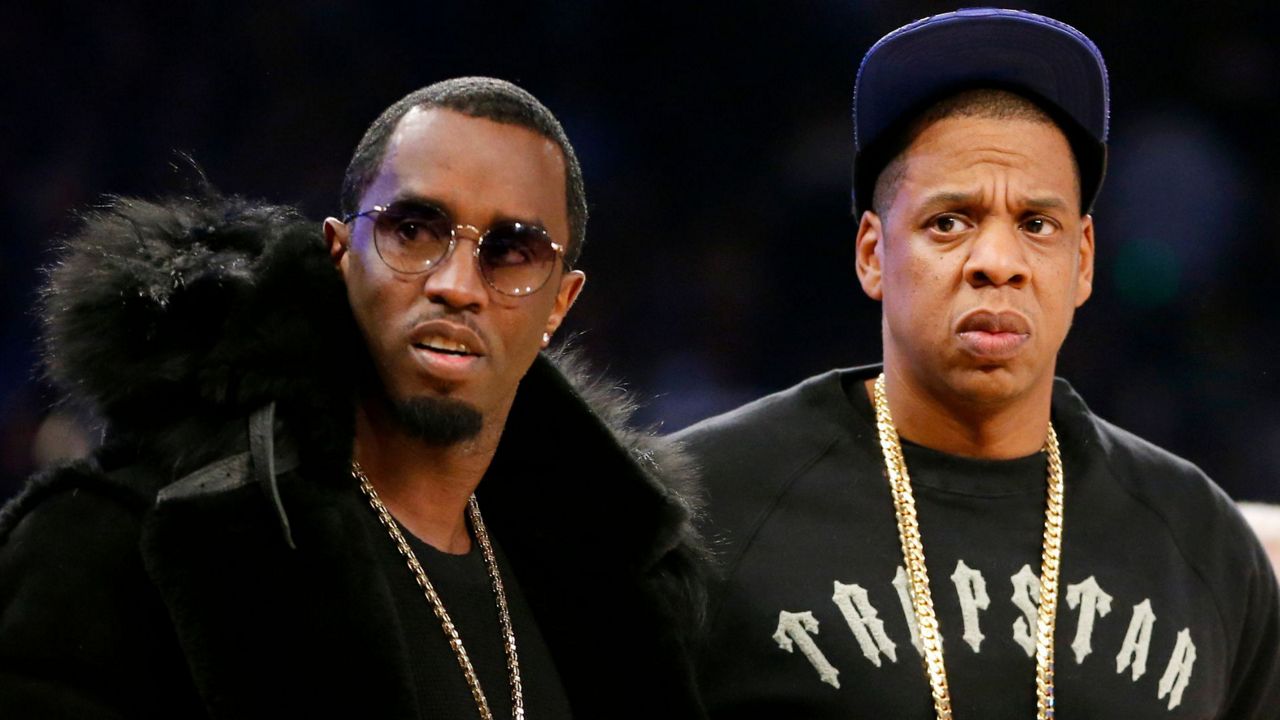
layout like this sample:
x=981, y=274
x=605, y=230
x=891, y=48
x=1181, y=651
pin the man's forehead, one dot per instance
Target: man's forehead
x=948, y=155
x=445, y=132
x=977, y=133
x=450, y=157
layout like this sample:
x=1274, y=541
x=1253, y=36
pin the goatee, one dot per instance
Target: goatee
x=437, y=421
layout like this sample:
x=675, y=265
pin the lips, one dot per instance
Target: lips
x=440, y=343
x=446, y=349
x=993, y=336
x=447, y=336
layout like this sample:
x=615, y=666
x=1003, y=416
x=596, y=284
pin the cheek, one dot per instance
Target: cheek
x=923, y=286
x=1063, y=273
x=1058, y=296
x=520, y=325
x=377, y=302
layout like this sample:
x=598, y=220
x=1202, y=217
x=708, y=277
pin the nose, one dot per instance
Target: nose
x=456, y=281
x=997, y=257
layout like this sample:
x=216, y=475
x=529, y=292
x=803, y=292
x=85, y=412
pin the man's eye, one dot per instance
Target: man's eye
x=409, y=229
x=1039, y=226
x=948, y=224
x=415, y=230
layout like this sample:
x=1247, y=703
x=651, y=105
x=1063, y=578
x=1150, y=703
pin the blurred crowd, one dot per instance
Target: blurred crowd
x=715, y=140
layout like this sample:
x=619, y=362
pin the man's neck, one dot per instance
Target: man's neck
x=425, y=487
x=995, y=431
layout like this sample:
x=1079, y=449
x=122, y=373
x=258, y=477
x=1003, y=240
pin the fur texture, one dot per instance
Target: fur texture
x=171, y=318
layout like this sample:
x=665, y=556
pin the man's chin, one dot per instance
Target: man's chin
x=992, y=384
x=438, y=421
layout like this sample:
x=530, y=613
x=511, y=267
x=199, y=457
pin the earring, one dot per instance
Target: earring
x=546, y=339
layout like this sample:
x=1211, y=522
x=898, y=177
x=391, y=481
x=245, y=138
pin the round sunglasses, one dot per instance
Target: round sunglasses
x=514, y=258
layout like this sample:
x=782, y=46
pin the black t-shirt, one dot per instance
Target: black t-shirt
x=1167, y=607
x=463, y=584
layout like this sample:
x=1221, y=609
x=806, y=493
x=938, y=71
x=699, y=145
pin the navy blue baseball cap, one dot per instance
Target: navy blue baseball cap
x=1047, y=61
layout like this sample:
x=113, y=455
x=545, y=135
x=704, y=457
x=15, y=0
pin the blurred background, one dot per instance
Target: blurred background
x=715, y=139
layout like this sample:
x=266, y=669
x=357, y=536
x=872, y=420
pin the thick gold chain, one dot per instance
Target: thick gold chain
x=437, y=605
x=913, y=556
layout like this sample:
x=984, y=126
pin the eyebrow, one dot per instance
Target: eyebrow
x=1047, y=203
x=952, y=198
x=949, y=198
x=412, y=198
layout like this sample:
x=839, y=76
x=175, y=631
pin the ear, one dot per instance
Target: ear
x=570, y=285
x=337, y=237
x=1084, y=275
x=869, y=254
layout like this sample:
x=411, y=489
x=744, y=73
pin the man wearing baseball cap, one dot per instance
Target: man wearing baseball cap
x=953, y=533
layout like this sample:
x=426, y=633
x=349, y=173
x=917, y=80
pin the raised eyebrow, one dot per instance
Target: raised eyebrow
x=962, y=199
x=948, y=199
x=1047, y=202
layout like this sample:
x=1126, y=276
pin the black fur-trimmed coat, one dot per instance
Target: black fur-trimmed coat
x=212, y=560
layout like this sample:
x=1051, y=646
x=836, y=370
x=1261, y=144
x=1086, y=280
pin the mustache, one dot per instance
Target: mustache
x=458, y=317
x=464, y=318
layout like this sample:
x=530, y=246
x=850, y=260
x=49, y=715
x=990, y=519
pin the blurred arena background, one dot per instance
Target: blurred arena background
x=716, y=143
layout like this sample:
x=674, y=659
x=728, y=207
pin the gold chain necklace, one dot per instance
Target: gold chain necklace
x=437, y=605
x=913, y=556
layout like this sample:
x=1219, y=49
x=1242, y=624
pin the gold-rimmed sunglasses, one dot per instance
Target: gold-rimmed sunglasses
x=515, y=258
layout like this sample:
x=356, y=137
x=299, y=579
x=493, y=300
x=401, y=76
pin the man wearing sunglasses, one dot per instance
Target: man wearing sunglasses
x=953, y=533
x=361, y=492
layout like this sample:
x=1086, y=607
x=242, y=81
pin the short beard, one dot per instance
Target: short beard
x=439, y=422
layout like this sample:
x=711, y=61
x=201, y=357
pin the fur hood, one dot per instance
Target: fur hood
x=170, y=319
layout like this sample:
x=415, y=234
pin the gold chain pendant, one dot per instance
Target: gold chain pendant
x=437, y=605
x=913, y=557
